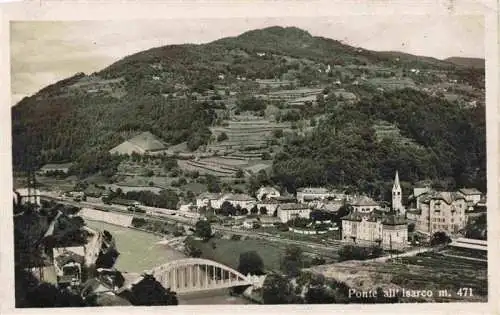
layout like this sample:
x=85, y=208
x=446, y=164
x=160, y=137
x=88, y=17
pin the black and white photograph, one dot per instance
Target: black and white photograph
x=249, y=161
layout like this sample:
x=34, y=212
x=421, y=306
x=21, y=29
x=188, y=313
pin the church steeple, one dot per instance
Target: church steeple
x=397, y=195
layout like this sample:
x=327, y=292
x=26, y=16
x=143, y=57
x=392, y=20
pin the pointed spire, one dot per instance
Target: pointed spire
x=396, y=180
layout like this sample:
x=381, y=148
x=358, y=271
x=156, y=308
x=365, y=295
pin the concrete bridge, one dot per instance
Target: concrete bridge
x=196, y=274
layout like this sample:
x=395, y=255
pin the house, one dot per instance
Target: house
x=442, y=211
x=242, y=200
x=27, y=195
x=365, y=204
x=289, y=211
x=481, y=205
x=68, y=262
x=374, y=228
x=271, y=205
x=471, y=195
x=330, y=206
x=418, y=193
x=54, y=168
x=143, y=143
x=312, y=193
x=208, y=200
x=267, y=193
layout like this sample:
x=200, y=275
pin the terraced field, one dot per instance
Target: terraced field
x=206, y=168
x=246, y=134
x=386, y=130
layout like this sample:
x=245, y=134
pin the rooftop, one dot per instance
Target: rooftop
x=55, y=166
x=238, y=197
x=364, y=201
x=313, y=190
x=294, y=206
x=446, y=196
x=207, y=195
x=470, y=191
x=267, y=189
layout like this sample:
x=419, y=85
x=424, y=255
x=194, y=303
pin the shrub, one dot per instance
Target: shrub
x=222, y=137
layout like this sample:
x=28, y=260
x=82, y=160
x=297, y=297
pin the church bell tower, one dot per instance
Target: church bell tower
x=397, y=195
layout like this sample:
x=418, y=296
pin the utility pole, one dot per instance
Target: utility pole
x=390, y=245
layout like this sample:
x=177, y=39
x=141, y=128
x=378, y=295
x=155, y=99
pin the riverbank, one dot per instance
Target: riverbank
x=143, y=250
x=139, y=250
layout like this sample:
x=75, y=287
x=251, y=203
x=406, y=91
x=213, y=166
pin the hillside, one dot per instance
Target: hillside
x=478, y=63
x=199, y=97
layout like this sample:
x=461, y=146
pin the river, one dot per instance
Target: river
x=141, y=251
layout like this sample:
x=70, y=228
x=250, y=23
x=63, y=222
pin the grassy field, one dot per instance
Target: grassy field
x=54, y=184
x=441, y=272
x=228, y=251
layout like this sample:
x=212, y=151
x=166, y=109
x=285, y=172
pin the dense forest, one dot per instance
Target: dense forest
x=343, y=149
x=70, y=128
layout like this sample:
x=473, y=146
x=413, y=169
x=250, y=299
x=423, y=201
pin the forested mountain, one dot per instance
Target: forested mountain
x=344, y=150
x=82, y=117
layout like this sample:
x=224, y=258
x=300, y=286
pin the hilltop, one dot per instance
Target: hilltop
x=467, y=62
x=256, y=98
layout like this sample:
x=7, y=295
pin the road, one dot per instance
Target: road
x=333, y=245
x=412, y=252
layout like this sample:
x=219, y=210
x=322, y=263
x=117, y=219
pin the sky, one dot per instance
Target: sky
x=44, y=52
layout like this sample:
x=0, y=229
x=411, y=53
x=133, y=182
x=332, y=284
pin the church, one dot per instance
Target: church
x=374, y=227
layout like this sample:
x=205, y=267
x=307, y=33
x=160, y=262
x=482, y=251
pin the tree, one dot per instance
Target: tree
x=440, y=238
x=190, y=196
x=278, y=133
x=293, y=260
x=263, y=210
x=149, y=292
x=239, y=173
x=254, y=210
x=47, y=295
x=213, y=184
x=276, y=290
x=227, y=209
x=203, y=229
x=411, y=227
x=251, y=263
x=221, y=137
x=319, y=295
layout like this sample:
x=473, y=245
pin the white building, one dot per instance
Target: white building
x=313, y=193
x=289, y=211
x=471, y=195
x=397, y=196
x=442, y=211
x=267, y=193
x=207, y=200
x=242, y=200
x=371, y=228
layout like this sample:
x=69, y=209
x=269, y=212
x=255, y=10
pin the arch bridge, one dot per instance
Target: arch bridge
x=197, y=274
